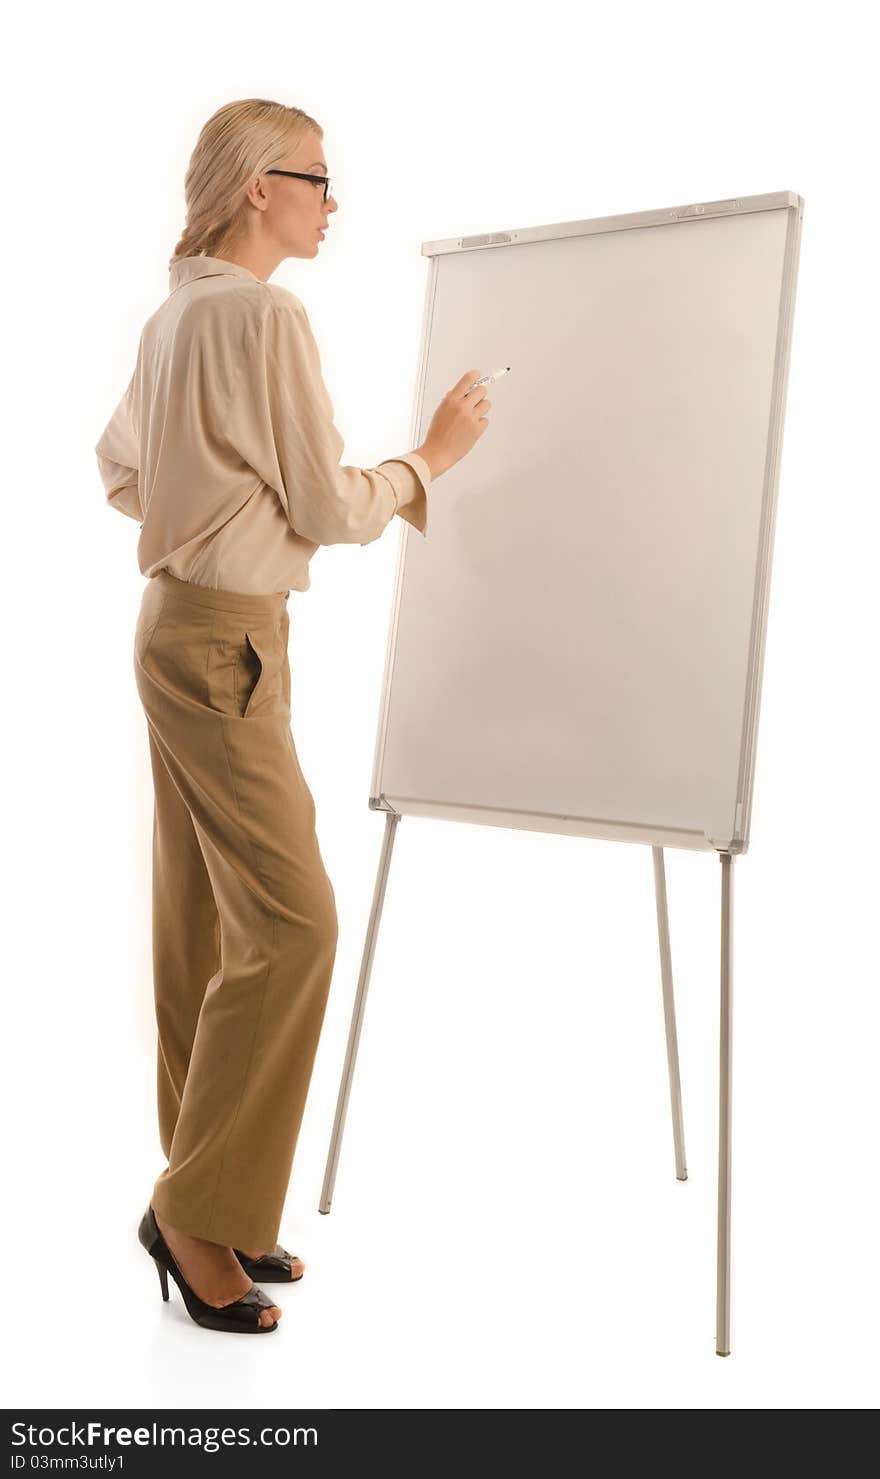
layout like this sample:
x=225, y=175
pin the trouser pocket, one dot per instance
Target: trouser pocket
x=260, y=686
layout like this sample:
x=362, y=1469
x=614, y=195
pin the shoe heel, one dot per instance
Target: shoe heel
x=163, y=1279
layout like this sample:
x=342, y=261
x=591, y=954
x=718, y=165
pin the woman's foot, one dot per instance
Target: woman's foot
x=213, y=1271
x=297, y=1267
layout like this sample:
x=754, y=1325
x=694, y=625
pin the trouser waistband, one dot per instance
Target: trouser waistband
x=246, y=602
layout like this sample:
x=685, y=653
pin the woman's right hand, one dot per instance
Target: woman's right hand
x=457, y=424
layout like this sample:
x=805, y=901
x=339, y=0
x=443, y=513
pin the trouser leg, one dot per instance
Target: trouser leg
x=212, y=673
x=260, y=1021
x=186, y=940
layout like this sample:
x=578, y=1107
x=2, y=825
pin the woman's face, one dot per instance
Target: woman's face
x=297, y=212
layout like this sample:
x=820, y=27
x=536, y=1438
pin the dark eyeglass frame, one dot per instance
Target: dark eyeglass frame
x=295, y=175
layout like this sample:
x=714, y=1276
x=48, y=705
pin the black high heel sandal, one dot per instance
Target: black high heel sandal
x=243, y=1315
x=272, y=1268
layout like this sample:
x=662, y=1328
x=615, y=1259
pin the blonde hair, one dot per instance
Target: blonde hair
x=238, y=142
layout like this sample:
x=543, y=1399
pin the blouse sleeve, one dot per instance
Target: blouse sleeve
x=281, y=422
x=117, y=454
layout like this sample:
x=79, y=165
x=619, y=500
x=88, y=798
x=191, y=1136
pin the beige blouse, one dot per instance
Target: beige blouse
x=224, y=448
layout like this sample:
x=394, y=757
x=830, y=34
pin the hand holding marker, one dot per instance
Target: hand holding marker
x=458, y=422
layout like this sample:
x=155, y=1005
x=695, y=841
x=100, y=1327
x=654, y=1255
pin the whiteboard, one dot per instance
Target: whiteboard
x=576, y=644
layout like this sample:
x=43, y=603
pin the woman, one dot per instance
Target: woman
x=224, y=449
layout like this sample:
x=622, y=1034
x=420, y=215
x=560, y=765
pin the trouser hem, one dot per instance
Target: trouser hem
x=239, y=1232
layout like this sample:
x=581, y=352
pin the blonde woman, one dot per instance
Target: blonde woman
x=224, y=449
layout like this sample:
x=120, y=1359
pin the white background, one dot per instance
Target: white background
x=507, y=1230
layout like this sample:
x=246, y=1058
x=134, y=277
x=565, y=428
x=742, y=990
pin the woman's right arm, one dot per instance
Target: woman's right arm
x=281, y=422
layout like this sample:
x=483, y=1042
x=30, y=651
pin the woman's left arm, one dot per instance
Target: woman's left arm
x=117, y=454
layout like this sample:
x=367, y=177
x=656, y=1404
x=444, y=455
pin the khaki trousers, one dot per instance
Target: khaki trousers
x=244, y=914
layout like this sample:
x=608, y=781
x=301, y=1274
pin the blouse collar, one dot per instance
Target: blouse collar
x=187, y=269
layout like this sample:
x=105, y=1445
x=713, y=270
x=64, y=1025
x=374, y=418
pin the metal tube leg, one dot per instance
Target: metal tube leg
x=669, y=1013
x=391, y=820
x=722, y=1322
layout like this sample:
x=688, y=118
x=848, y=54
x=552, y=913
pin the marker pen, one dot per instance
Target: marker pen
x=495, y=375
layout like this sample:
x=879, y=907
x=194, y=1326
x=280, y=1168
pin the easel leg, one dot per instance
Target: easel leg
x=669, y=1013
x=722, y=1322
x=391, y=821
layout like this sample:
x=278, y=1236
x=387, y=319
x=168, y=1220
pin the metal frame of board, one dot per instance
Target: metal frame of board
x=727, y=849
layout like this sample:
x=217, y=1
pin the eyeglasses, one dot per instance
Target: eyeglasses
x=294, y=175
